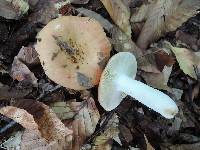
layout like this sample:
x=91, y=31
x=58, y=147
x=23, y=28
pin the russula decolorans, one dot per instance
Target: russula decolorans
x=73, y=51
x=117, y=81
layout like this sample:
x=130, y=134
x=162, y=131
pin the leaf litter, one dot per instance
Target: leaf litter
x=64, y=118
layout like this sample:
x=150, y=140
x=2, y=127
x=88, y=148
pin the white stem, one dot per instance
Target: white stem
x=148, y=96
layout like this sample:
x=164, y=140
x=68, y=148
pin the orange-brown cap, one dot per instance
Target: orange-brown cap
x=73, y=51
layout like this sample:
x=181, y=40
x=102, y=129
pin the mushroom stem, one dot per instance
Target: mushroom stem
x=148, y=96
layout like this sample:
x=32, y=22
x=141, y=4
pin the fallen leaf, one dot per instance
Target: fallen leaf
x=7, y=92
x=188, y=39
x=186, y=59
x=194, y=146
x=28, y=56
x=166, y=16
x=44, y=11
x=120, y=14
x=85, y=118
x=89, y=13
x=104, y=141
x=50, y=127
x=177, y=93
x=149, y=147
x=80, y=1
x=158, y=80
x=13, y=142
x=163, y=59
x=13, y=9
x=30, y=141
x=21, y=72
x=20, y=116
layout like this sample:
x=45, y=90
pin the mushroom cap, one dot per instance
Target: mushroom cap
x=73, y=51
x=108, y=94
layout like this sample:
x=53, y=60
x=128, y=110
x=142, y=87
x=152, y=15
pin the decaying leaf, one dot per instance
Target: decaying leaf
x=186, y=59
x=85, y=118
x=120, y=14
x=166, y=16
x=104, y=141
x=21, y=72
x=20, y=116
x=13, y=9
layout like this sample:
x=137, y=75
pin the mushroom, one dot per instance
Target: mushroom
x=73, y=51
x=117, y=81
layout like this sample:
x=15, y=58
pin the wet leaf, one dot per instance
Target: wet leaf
x=166, y=16
x=120, y=14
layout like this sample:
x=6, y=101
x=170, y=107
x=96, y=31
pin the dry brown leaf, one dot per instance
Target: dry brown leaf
x=50, y=127
x=186, y=59
x=20, y=116
x=21, y=72
x=104, y=141
x=166, y=16
x=85, y=117
x=158, y=80
x=120, y=14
